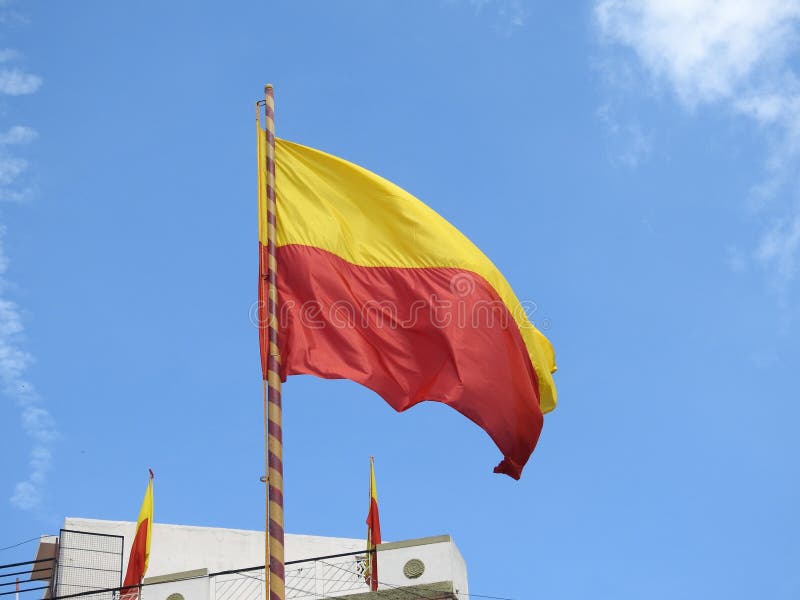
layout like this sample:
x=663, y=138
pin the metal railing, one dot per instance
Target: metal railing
x=306, y=579
x=25, y=578
x=88, y=562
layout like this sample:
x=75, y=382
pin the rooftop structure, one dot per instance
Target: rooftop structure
x=89, y=558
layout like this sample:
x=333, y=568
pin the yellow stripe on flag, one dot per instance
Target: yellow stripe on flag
x=328, y=203
x=146, y=512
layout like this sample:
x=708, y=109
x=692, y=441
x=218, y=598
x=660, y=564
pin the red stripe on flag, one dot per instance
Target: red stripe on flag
x=135, y=571
x=374, y=522
x=374, y=533
x=410, y=335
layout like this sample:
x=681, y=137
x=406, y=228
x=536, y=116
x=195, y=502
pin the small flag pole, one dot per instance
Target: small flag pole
x=373, y=530
x=272, y=387
x=370, y=546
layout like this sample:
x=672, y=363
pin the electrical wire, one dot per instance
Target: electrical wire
x=383, y=583
x=30, y=572
x=44, y=587
x=27, y=562
x=243, y=573
x=417, y=594
x=22, y=542
x=404, y=589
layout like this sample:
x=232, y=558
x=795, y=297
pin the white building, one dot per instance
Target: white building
x=209, y=563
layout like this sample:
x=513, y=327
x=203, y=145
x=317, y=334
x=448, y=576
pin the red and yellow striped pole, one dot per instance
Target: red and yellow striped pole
x=271, y=366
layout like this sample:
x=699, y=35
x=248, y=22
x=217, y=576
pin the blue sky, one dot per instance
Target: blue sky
x=631, y=166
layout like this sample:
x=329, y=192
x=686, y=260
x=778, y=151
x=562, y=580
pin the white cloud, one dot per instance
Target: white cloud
x=10, y=169
x=735, y=55
x=17, y=195
x=15, y=82
x=705, y=49
x=37, y=422
x=511, y=14
x=736, y=260
x=8, y=15
x=13, y=167
x=632, y=145
x=8, y=54
x=508, y=15
x=780, y=246
x=18, y=134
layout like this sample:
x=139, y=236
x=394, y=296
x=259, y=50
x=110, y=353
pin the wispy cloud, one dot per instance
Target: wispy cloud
x=631, y=144
x=18, y=134
x=12, y=167
x=506, y=15
x=15, y=361
x=16, y=82
x=735, y=55
x=780, y=247
x=8, y=54
x=9, y=14
x=36, y=420
x=706, y=50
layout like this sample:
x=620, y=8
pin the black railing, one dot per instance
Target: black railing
x=10, y=576
x=307, y=578
x=89, y=563
x=318, y=577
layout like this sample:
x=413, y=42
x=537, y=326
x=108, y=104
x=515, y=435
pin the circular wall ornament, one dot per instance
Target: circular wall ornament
x=175, y=596
x=413, y=568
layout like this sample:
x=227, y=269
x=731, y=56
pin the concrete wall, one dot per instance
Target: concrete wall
x=188, y=588
x=177, y=548
x=440, y=556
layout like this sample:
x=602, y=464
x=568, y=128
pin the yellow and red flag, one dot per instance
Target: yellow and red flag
x=140, y=549
x=376, y=287
x=373, y=530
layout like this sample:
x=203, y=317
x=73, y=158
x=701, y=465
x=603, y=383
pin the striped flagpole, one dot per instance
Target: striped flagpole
x=277, y=588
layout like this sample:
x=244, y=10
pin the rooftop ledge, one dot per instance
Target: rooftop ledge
x=207, y=563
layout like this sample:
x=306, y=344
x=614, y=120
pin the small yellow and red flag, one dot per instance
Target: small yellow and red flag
x=140, y=549
x=373, y=530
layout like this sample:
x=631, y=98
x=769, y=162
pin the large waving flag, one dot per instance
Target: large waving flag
x=140, y=549
x=373, y=530
x=376, y=287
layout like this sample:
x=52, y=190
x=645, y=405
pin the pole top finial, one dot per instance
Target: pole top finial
x=268, y=87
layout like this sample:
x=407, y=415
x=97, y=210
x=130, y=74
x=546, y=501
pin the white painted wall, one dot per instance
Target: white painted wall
x=179, y=548
x=190, y=589
x=440, y=555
